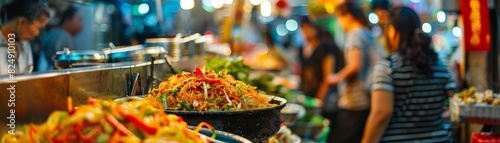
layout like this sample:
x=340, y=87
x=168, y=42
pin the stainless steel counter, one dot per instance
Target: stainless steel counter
x=39, y=94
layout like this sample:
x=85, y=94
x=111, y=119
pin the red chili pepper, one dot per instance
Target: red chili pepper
x=198, y=71
x=179, y=119
x=72, y=112
x=77, y=128
x=117, y=125
x=212, y=80
x=138, y=122
x=92, y=101
x=179, y=75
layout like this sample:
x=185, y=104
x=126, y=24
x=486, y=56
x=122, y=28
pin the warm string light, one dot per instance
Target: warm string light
x=187, y=4
x=265, y=8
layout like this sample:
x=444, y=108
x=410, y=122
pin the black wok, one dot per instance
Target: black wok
x=256, y=125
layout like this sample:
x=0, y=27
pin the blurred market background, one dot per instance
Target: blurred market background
x=248, y=29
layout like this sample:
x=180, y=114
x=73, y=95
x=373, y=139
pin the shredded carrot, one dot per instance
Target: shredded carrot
x=188, y=88
x=70, y=104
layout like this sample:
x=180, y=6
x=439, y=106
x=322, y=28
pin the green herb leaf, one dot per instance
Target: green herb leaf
x=103, y=138
x=186, y=105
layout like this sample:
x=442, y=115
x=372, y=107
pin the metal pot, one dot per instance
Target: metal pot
x=255, y=125
x=178, y=48
x=124, y=53
x=174, y=47
x=134, y=53
x=156, y=52
x=190, y=45
x=71, y=59
x=221, y=136
x=200, y=44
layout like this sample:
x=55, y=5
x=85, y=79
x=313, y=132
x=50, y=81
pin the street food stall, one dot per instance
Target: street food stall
x=223, y=71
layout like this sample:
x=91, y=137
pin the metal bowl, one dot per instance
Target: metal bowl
x=291, y=113
x=221, y=136
x=256, y=125
x=307, y=130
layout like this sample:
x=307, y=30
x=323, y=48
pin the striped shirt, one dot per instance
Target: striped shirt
x=418, y=100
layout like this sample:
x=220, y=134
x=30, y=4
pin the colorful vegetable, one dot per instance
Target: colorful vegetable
x=133, y=122
x=136, y=121
x=118, y=126
x=204, y=90
x=206, y=125
x=234, y=67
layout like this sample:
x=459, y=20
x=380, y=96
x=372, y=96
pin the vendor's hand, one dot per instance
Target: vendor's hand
x=333, y=79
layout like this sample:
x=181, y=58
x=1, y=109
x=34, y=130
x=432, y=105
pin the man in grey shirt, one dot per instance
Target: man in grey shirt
x=60, y=37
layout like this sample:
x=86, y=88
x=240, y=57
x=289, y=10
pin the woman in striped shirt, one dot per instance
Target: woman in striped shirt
x=409, y=88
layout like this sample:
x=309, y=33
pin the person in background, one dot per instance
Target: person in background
x=21, y=21
x=349, y=123
x=71, y=23
x=409, y=88
x=381, y=9
x=318, y=58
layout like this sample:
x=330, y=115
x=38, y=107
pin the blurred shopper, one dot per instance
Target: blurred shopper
x=409, y=88
x=58, y=38
x=349, y=123
x=381, y=9
x=21, y=22
x=319, y=58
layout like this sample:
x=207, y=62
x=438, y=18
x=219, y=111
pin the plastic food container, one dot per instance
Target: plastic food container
x=476, y=113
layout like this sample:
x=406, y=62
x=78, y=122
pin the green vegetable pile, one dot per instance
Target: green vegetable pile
x=233, y=66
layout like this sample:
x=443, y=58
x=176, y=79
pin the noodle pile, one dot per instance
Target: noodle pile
x=106, y=121
x=207, y=91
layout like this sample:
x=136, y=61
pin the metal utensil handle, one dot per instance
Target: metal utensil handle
x=170, y=65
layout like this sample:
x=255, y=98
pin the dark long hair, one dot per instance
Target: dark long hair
x=352, y=9
x=30, y=9
x=321, y=34
x=413, y=45
x=326, y=38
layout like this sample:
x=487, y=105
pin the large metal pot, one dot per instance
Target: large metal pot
x=255, y=125
x=134, y=53
x=178, y=48
x=175, y=48
x=190, y=45
x=124, y=53
x=155, y=52
x=72, y=59
x=199, y=46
